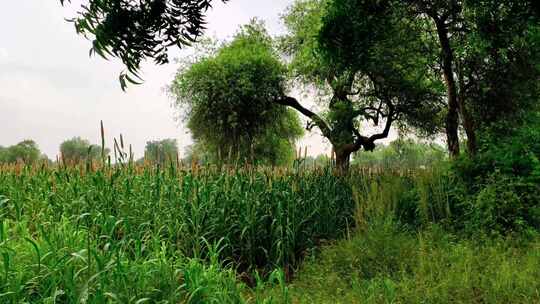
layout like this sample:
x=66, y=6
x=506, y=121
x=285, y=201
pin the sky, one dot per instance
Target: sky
x=51, y=90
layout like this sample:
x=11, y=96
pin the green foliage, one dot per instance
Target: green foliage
x=386, y=264
x=374, y=42
x=134, y=32
x=506, y=204
x=229, y=101
x=402, y=153
x=501, y=184
x=365, y=60
x=77, y=150
x=26, y=151
x=132, y=233
x=500, y=60
x=303, y=19
x=161, y=151
x=413, y=198
x=125, y=229
x=3, y=155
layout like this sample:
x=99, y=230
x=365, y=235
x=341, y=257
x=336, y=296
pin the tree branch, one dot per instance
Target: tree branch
x=389, y=120
x=293, y=103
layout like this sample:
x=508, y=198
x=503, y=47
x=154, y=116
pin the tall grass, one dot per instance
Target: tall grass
x=388, y=264
x=414, y=198
x=125, y=231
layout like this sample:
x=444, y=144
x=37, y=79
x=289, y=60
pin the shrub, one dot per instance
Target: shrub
x=499, y=189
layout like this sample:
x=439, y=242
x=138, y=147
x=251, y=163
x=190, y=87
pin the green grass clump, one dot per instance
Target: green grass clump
x=386, y=264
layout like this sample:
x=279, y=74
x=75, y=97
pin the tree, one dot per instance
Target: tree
x=77, y=150
x=161, y=151
x=402, y=153
x=228, y=99
x=500, y=68
x=3, y=155
x=482, y=47
x=27, y=151
x=365, y=55
x=137, y=30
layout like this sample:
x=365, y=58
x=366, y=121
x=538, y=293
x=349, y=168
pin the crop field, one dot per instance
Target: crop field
x=125, y=233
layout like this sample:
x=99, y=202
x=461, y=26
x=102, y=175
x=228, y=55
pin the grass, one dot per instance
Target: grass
x=129, y=232
x=145, y=234
x=389, y=265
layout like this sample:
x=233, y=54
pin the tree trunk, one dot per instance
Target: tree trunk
x=468, y=123
x=452, y=117
x=343, y=160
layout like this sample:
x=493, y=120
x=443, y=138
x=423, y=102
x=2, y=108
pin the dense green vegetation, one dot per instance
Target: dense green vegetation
x=387, y=264
x=161, y=151
x=89, y=233
x=408, y=223
x=402, y=153
x=27, y=151
x=212, y=235
x=227, y=97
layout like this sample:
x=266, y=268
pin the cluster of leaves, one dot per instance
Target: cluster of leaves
x=229, y=101
x=500, y=57
x=137, y=30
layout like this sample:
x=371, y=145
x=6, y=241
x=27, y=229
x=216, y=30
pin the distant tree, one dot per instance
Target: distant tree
x=196, y=153
x=3, y=155
x=228, y=99
x=402, y=153
x=43, y=158
x=26, y=151
x=320, y=161
x=161, y=151
x=77, y=150
x=138, y=30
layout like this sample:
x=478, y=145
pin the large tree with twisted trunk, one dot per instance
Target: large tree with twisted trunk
x=366, y=57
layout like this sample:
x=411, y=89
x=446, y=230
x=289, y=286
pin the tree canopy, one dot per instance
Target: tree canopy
x=26, y=151
x=161, y=151
x=428, y=66
x=228, y=99
x=365, y=57
x=484, y=52
x=76, y=150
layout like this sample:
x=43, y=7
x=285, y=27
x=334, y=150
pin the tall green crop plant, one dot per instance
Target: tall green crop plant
x=126, y=233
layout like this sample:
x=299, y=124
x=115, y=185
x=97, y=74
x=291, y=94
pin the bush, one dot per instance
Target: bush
x=506, y=204
x=386, y=264
x=499, y=189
